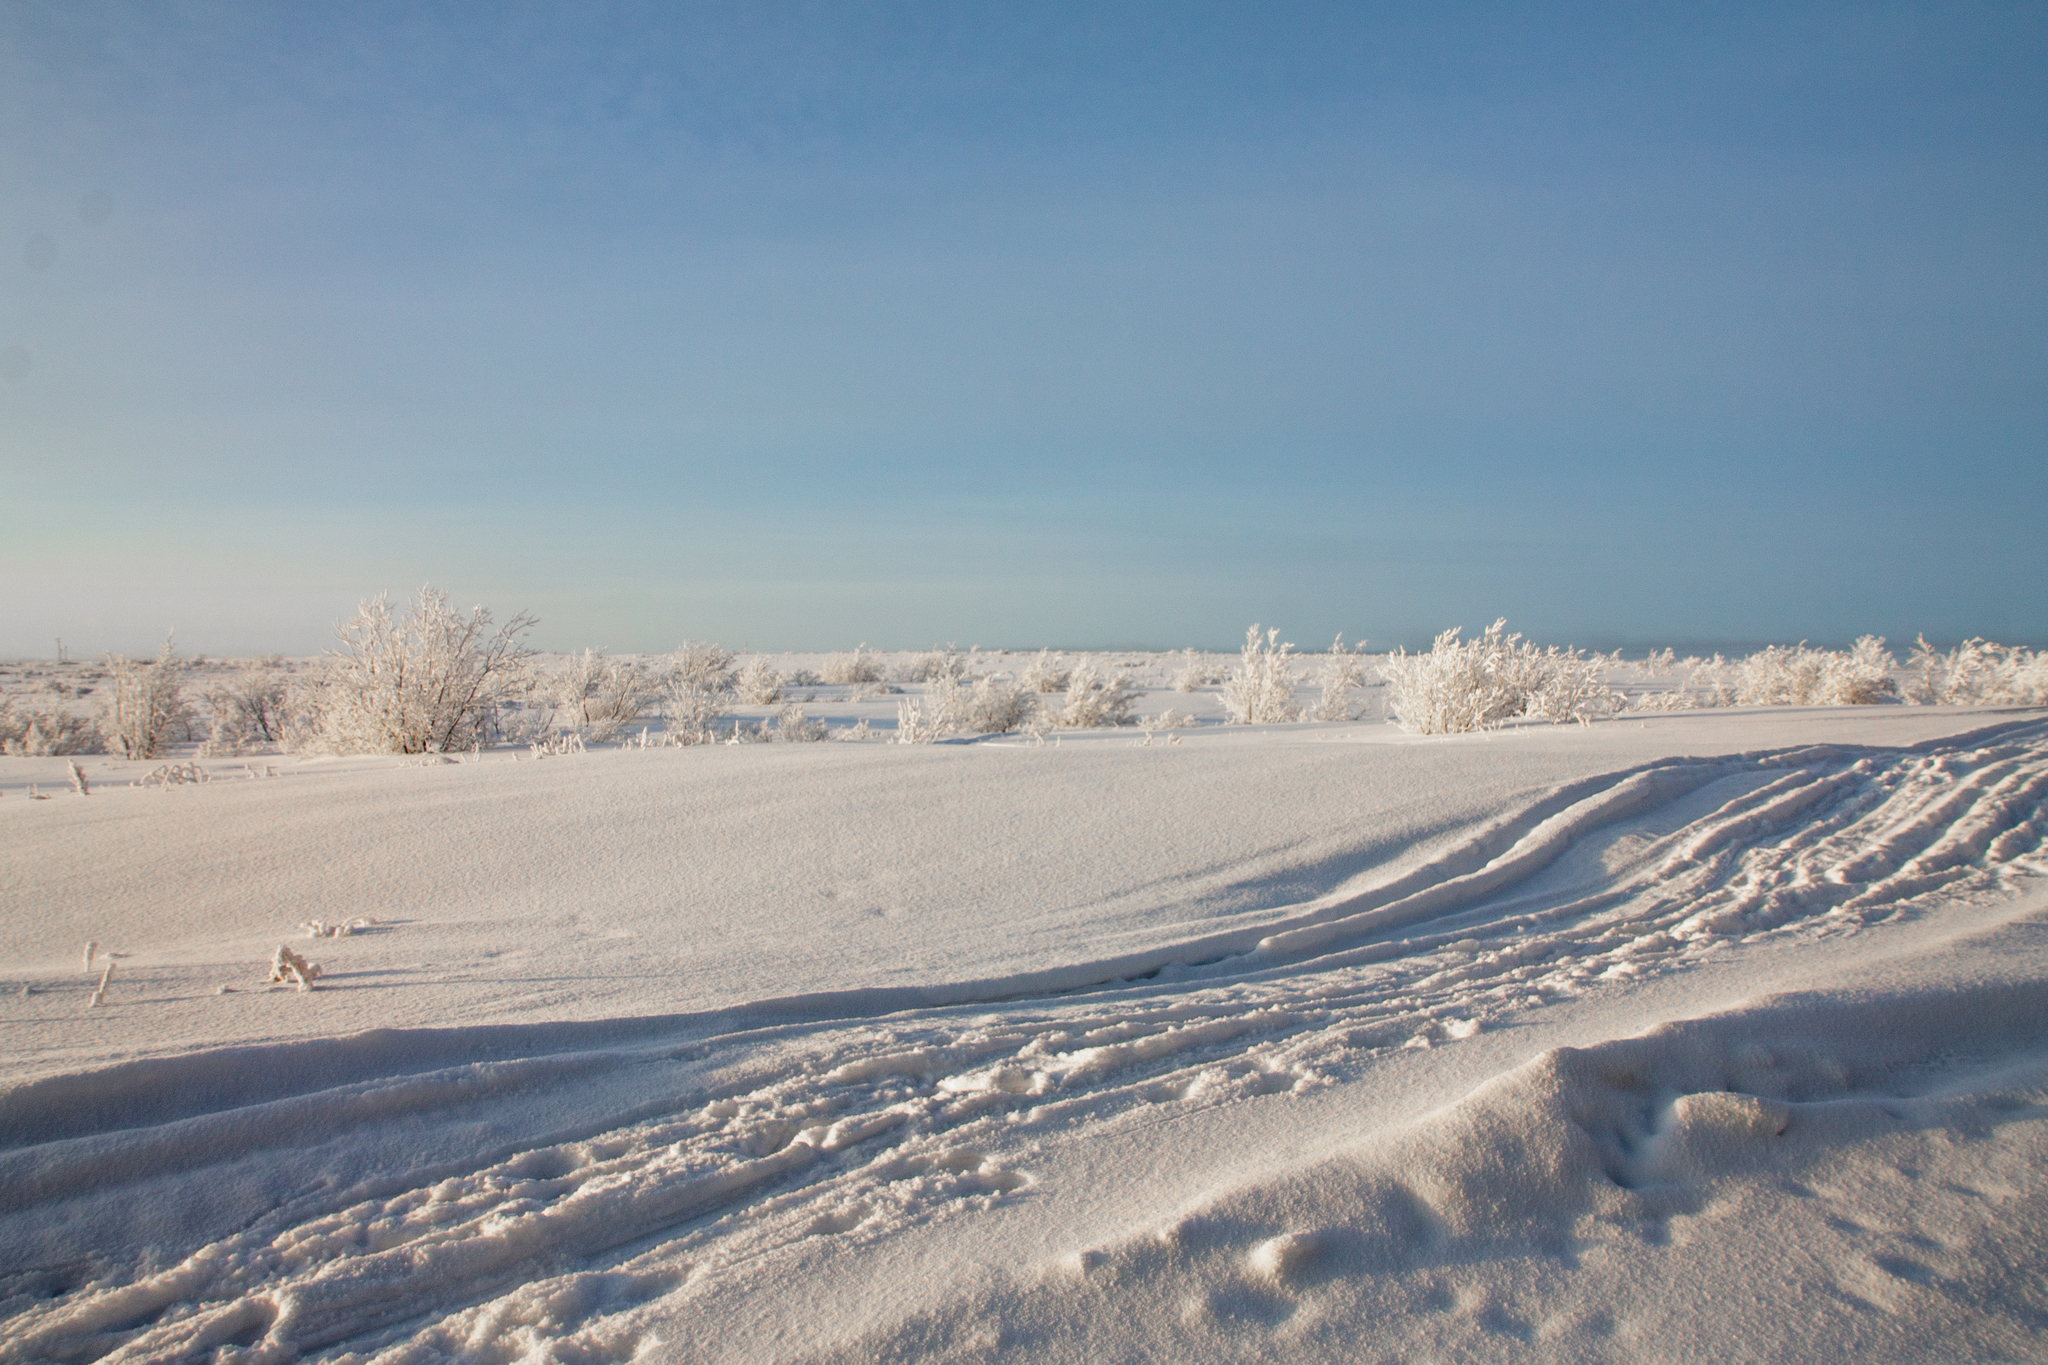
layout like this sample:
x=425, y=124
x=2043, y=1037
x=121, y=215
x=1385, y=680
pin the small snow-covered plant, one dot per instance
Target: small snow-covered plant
x=759, y=684
x=802, y=677
x=78, y=781
x=936, y=664
x=247, y=711
x=601, y=695
x=702, y=664
x=1045, y=674
x=990, y=706
x=1978, y=672
x=1261, y=690
x=288, y=968
x=792, y=726
x=557, y=744
x=177, y=775
x=34, y=733
x=698, y=689
x=427, y=682
x=861, y=666
x=1339, y=673
x=1197, y=671
x=1093, y=699
x=142, y=707
x=1565, y=685
x=1798, y=676
x=916, y=723
x=1169, y=719
x=317, y=928
x=855, y=732
x=1461, y=686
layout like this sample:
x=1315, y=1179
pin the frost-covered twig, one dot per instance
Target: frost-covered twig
x=288, y=968
x=99, y=995
x=322, y=929
x=177, y=775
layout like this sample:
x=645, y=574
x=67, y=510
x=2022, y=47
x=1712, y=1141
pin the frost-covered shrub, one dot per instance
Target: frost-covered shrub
x=697, y=691
x=1094, y=700
x=428, y=682
x=1261, y=691
x=792, y=726
x=31, y=733
x=989, y=706
x=861, y=666
x=247, y=711
x=142, y=707
x=1169, y=719
x=1977, y=672
x=1564, y=685
x=1340, y=672
x=1461, y=686
x=600, y=695
x=916, y=723
x=1197, y=671
x=935, y=665
x=707, y=666
x=1045, y=674
x=759, y=684
x=1798, y=676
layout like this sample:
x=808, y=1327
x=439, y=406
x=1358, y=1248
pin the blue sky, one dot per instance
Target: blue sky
x=796, y=326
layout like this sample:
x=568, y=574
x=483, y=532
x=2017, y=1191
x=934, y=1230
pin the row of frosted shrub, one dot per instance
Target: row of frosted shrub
x=435, y=679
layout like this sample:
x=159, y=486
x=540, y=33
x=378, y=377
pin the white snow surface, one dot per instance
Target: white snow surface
x=1718, y=1034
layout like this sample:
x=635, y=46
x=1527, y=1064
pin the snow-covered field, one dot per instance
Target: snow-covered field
x=1715, y=1034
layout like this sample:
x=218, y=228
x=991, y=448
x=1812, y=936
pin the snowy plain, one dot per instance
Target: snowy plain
x=1709, y=1034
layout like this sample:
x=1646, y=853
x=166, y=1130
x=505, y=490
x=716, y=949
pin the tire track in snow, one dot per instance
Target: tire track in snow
x=856, y=1128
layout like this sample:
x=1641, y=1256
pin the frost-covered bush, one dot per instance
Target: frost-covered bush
x=759, y=684
x=142, y=707
x=988, y=706
x=916, y=723
x=792, y=726
x=30, y=732
x=1339, y=673
x=1197, y=671
x=935, y=665
x=1045, y=674
x=247, y=711
x=697, y=688
x=600, y=695
x=1093, y=699
x=1461, y=686
x=702, y=665
x=861, y=666
x=1261, y=690
x=427, y=682
x=1977, y=672
x=1798, y=676
x=1705, y=682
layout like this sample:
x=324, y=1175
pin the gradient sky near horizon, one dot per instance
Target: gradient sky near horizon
x=794, y=326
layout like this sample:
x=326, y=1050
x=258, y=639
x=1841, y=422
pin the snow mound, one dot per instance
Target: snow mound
x=1614, y=1201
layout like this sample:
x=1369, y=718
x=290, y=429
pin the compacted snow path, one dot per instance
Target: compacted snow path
x=794, y=1177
